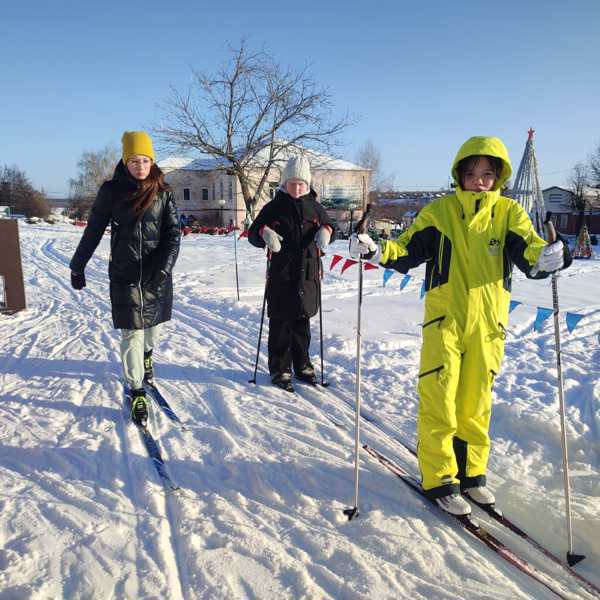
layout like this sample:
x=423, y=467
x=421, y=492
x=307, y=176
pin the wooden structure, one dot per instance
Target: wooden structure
x=12, y=290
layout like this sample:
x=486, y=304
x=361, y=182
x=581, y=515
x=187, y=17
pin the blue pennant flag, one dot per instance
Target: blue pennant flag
x=404, y=281
x=572, y=320
x=542, y=315
x=422, y=290
x=513, y=305
x=386, y=275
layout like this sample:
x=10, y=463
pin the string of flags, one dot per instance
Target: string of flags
x=543, y=314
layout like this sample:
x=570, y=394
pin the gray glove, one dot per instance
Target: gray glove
x=322, y=238
x=272, y=239
x=362, y=245
x=551, y=259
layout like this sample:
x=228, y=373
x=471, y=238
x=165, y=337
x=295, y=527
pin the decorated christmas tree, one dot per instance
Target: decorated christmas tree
x=583, y=246
x=527, y=189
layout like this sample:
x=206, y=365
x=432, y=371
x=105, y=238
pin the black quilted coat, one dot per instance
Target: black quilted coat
x=292, y=291
x=140, y=295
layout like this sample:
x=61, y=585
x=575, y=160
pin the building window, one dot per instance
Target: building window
x=221, y=188
x=204, y=193
x=230, y=190
x=186, y=195
x=213, y=190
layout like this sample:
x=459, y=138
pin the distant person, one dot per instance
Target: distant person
x=144, y=244
x=470, y=241
x=183, y=221
x=296, y=229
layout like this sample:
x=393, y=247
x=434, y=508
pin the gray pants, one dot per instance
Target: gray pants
x=134, y=342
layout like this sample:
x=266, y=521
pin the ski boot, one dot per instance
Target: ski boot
x=139, y=407
x=454, y=504
x=148, y=367
x=283, y=380
x=307, y=375
x=480, y=495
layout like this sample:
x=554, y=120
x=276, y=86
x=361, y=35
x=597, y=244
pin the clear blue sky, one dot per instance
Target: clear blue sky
x=421, y=76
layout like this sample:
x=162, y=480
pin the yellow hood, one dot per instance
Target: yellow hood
x=489, y=146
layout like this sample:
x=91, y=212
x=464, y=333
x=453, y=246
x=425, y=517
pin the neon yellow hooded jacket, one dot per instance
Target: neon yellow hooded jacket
x=470, y=242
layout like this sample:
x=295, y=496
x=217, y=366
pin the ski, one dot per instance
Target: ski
x=156, y=456
x=162, y=402
x=498, y=516
x=473, y=527
x=154, y=452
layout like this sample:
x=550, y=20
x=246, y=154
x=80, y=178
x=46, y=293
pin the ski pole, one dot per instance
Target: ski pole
x=323, y=382
x=262, y=318
x=237, y=281
x=572, y=558
x=352, y=513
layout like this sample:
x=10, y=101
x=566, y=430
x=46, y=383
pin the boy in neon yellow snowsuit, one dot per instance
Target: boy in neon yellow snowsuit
x=470, y=241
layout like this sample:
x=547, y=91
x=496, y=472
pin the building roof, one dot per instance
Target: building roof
x=319, y=162
x=557, y=187
x=401, y=197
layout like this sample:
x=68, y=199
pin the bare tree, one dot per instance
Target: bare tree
x=17, y=193
x=594, y=167
x=94, y=168
x=246, y=115
x=369, y=157
x=578, y=181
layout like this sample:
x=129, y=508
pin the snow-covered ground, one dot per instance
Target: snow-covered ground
x=264, y=474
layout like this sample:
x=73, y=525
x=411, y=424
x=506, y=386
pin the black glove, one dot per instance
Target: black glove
x=77, y=280
x=160, y=277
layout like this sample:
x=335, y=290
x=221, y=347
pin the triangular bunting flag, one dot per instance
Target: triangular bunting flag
x=370, y=266
x=542, y=315
x=349, y=262
x=335, y=260
x=244, y=234
x=386, y=276
x=513, y=305
x=572, y=320
x=422, y=290
x=404, y=281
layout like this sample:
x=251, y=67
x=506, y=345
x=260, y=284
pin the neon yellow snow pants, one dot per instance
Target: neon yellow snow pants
x=455, y=396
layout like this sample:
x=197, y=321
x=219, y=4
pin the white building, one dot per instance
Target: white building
x=204, y=188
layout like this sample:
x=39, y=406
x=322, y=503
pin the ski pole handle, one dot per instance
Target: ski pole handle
x=550, y=230
x=362, y=224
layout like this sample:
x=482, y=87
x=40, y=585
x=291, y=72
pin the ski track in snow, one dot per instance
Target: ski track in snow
x=264, y=474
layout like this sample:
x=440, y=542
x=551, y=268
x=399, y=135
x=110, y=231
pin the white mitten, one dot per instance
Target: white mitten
x=322, y=238
x=272, y=239
x=362, y=245
x=551, y=259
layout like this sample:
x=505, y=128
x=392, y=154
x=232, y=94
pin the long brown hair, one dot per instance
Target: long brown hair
x=149, y=188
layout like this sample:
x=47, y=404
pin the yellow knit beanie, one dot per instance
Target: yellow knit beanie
x=136, y=142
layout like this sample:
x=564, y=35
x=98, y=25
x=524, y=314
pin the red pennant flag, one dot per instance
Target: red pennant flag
x=370, y=266
x=349, y=262
x=335, y=260
x=244, y=234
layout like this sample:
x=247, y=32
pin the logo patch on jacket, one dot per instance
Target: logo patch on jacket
x=494, y=247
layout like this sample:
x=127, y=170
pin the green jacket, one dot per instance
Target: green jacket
x=469, y=242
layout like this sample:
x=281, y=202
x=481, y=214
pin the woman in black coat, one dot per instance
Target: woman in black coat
x=144, y=244
x=296, y=229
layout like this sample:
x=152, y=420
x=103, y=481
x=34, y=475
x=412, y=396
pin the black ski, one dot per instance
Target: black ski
x=472, y=527
x=162, y=402
x=153, y=451
x=156, y=456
